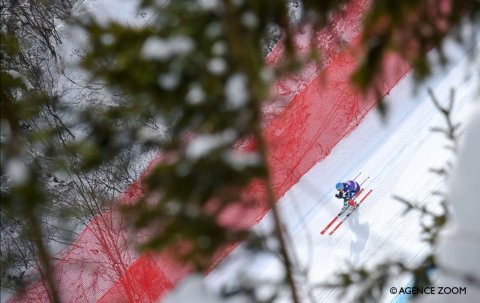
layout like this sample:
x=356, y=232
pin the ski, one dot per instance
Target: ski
x=346, y=217
x=336, y=217
x=329, y=224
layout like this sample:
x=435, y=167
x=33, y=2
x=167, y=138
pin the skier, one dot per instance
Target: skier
x=347, y=191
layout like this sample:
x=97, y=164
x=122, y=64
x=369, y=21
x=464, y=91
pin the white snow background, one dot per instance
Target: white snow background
x=396, y=155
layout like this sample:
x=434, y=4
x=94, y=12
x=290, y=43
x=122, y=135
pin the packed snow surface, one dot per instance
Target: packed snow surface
x=396, y=154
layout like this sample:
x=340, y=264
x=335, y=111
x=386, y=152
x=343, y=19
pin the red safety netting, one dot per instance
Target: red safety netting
x=308, y=114
x=342, y=29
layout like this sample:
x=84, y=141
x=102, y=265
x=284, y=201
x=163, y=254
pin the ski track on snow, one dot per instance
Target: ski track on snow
x=397, y=155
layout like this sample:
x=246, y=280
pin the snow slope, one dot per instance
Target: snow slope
x=397, y=156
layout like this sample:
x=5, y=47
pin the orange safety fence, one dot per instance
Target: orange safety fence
x=308, y=114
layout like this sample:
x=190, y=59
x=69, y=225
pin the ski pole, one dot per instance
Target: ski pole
x=364, y=181
x=357, y=175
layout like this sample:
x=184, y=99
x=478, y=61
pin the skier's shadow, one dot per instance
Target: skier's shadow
x=361, y=232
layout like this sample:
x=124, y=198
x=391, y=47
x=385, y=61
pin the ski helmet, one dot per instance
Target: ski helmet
x=339, y=186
